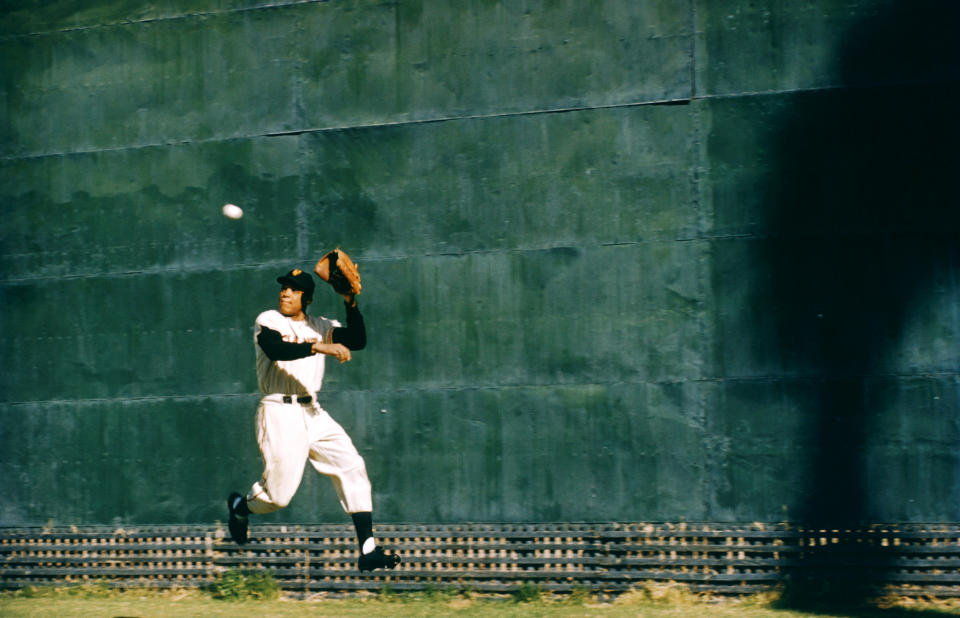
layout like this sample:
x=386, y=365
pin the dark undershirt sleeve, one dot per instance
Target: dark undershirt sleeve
x=276, y=349
x=354, y=336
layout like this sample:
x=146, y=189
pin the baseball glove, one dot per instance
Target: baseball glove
x=337, y=269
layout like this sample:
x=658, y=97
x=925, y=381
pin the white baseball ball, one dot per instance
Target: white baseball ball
x=232, y=211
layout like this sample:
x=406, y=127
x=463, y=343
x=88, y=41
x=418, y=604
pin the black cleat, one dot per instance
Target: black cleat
x=377, y=559
x=238, y=518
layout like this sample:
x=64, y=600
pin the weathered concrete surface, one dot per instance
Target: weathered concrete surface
x=583, y=304
x=195, y=74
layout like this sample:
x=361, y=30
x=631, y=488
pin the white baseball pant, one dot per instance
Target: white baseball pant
x=291, y=433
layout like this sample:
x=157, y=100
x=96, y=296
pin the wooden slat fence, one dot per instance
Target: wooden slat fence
x=609, y=558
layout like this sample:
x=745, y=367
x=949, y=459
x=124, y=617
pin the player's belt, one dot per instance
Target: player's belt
x=290, y=398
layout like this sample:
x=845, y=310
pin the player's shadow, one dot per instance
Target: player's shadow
x=862, y=233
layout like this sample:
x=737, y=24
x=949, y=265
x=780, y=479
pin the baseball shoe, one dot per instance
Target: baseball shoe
x=377, y=559
x=237, y=506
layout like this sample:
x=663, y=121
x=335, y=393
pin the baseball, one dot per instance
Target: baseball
x=232, y=211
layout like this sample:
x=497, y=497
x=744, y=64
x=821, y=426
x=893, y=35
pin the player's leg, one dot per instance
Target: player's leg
x=284, y=447
x=333, y=454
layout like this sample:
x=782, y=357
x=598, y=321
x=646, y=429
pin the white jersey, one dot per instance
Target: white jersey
x=303, y=376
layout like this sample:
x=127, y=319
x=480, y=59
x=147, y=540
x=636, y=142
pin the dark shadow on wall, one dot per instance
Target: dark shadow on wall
x=864, y=226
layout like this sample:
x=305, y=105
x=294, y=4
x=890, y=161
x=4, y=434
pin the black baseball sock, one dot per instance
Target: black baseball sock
x=363, y=522
x=240, y=506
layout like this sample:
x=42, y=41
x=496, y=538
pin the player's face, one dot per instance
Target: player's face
x=290, y=301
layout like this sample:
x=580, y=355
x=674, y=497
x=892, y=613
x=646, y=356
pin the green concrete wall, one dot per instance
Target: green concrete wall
x=622, y=261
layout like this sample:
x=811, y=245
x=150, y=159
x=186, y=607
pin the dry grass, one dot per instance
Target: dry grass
x=655, y=600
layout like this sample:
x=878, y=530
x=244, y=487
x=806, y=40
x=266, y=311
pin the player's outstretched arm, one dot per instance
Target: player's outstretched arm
x=273, y=345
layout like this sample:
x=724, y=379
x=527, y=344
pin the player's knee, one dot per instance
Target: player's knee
x=282, y=500
x=356, y=465
x=259, y=507
x=357, y=474
x=277, y=499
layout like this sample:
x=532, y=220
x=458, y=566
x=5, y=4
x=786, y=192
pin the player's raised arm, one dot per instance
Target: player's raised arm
x=354, y=335
x=337, y=269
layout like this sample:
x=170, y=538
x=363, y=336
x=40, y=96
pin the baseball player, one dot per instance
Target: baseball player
x=292, y=427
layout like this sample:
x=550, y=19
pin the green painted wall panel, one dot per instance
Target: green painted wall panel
x=531, y=181
x=117, y=461
x=759, y=459
x=913, y=462
x=422, y=60
x=143, y=335
x=523, y=318
x=771, y=45
x=744, y=46
x=758, y=448
x=863, y=329
x=818, y=163
x=562, y=452
x=744, y=307
x=332, y=64
x=833, y=301
x=150, y=209
x=191, y=334
x=34, y=16
x=497, y=454
x=149, y=83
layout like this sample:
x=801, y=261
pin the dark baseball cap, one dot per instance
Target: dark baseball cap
x=298, y=280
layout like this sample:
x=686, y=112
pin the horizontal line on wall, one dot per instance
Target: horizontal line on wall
x=359, y=257
x=557, y=110
x=815, y=235
x=252, y=396
x=829, y=88
x=339, y=128
x=560, y=110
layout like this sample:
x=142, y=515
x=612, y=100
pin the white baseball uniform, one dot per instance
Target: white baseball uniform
x=291, y=433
